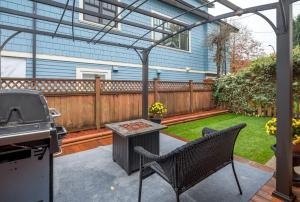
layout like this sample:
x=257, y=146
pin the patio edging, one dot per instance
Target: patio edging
x=106, y=133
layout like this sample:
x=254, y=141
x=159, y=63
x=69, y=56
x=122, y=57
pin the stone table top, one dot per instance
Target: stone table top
x=121, y=130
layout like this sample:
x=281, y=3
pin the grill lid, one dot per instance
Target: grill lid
x=22, y=107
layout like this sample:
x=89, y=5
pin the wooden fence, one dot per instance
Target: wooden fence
x=86, y=104
x=270, y=110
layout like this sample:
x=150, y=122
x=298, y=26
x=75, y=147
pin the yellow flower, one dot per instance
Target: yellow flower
x=296, y=140
x=157, y=109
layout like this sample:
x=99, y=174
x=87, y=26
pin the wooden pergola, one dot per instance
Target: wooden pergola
x=283, y=30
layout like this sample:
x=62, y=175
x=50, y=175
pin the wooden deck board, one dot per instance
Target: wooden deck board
x=85, y=136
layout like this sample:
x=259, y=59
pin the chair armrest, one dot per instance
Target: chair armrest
x=208, y=131
x=143, y=152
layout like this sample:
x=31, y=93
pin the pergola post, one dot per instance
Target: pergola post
x=145, y=65
x=284, y=103
x=34, y=11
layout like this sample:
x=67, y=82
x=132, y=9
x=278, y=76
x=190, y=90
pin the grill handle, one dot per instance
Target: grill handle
x=54, y=113
x=61, y=132
x=13, y=111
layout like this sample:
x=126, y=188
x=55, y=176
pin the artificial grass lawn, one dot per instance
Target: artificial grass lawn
x=253, y=143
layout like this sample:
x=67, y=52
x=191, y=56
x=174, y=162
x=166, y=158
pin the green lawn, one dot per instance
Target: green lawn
x=253, y=143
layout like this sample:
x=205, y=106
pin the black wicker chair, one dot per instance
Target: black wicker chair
x=191, y=163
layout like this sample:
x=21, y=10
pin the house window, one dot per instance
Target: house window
x=180, y=41
x=88, y=73
x=13, y=67
x=101, y=8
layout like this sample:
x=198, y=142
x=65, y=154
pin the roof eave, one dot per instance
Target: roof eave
x=181, y=4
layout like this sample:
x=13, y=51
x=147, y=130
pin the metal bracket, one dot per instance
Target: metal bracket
x=139, y=54
x=283, y=14
x=268, y=21
x=8, y=39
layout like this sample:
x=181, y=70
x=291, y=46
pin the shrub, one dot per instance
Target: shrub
x=254, y=86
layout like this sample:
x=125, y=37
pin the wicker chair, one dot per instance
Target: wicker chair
x=191, y=163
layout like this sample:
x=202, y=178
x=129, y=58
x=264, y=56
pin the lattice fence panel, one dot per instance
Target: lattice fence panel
x=114, y=86
x=202, y=86
x=51, y=86
x=63, y=86
x=17, y=84
x=173, y=86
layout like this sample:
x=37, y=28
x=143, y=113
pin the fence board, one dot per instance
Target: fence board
x=202, y=100
x=118, y=100
x=78, y=112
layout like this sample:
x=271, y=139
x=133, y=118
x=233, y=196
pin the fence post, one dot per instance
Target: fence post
x=259, y=110
x=191, y=96
x=212, y=103
x=269, y=111
x=98, y=102
x=155, y=89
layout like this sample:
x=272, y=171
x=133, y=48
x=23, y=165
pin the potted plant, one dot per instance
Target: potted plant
x=271, y=129
x=156, y=112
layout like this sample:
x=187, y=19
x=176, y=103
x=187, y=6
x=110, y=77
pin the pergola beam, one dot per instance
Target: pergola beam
x=63, y=22
x=283, y=29
x=175, y=17
x=65, y=36
x=186, y=6
x=143, y=12
x=122, y=18
x=230, y=5
x=112, y=21
x=95, y=14
x=218, y=18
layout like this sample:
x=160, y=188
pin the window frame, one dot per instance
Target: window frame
x=167, y=47
x=13, y=67
x=80, y=71
x=100, y=25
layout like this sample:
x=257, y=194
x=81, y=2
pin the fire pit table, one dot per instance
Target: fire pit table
x=127, y=135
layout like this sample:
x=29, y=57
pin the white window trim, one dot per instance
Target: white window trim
x=118, y=28
x=167, y=47
x=80, y=71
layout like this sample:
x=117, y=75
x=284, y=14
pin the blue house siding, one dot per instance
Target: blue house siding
x=199, y=59
x=54, y=69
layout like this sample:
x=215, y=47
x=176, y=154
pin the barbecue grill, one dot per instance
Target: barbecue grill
x=28, y=140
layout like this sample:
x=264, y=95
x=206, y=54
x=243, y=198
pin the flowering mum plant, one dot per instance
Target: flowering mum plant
x=157, y=109
x=271, y=129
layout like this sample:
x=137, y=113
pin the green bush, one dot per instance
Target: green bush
x=254, y=86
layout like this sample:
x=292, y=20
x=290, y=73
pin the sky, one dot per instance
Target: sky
x=260, y=29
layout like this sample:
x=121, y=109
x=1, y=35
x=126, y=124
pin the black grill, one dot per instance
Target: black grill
x=28, y=140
